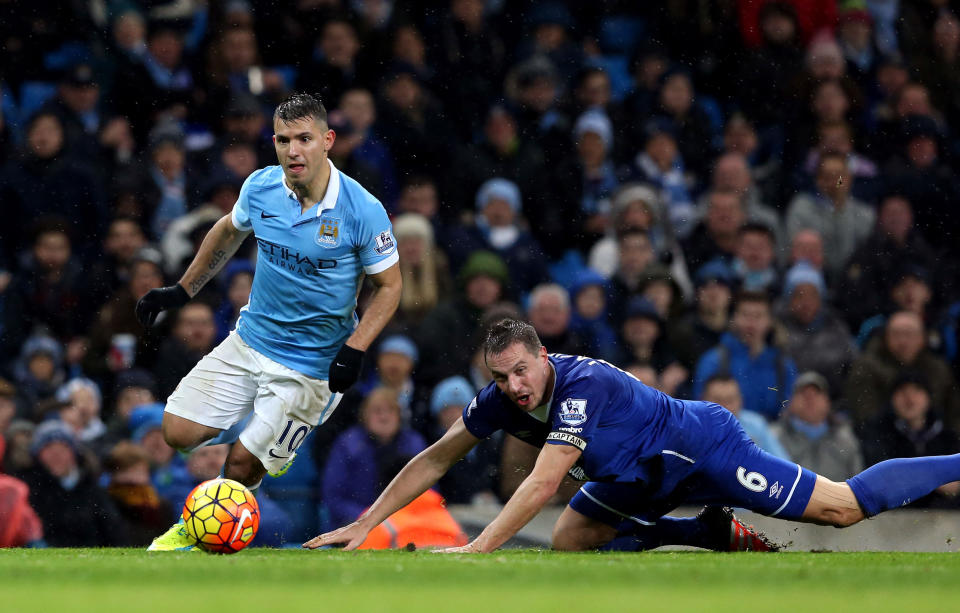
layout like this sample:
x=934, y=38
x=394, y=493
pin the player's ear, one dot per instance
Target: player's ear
x=328, y=139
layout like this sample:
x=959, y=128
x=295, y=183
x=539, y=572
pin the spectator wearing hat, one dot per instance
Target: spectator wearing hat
x=42, y=182
x=903, y=345
x=717, y=234
x=701, y=329
x=77, y=104
x=643, y=341
x=426, y=273
x=816, y=338
x=725, y=391
x=133, y=387
x=397, y=357
x=755, y=264
x=911, y=425
x=635, y=259
x=167, y=467
x=661, y=164
x=84, y=396
x=75, y=512
x=109, y=352
x=842, y=221
x=549, y=312
x=813, y=435
x=352, y=474
x=39, y=370
x=634, y=206
x=143, y=511
x=447, y=335
x=856, y=38
x=764, y=371
x=167, y=178
x=52, y=288
x=193, y=335
x=498, y=228
x=586, y=183
x=590, y=318
x=865, y=284
x=237, y=282
x=920, y=173
x=474, y=478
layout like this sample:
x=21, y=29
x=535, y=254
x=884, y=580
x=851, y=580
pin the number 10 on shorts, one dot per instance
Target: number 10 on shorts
x=295, y=439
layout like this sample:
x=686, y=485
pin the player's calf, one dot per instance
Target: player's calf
x=576, y=532
x=244, y=467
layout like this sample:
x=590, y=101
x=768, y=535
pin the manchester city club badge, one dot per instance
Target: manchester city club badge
x=328, y=235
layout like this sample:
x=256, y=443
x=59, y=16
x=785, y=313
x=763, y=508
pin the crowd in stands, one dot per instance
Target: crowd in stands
x=744, y=201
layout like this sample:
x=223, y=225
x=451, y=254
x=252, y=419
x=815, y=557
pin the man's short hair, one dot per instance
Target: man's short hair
x=755, y=227
x=299, y=106
x=720, y=378
x=508, y=331
x=746, y=296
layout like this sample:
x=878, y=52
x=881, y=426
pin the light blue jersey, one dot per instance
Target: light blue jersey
x=309, y=266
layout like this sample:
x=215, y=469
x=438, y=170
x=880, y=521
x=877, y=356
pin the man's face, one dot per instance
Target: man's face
x=810, y=404
x=499, y=213
x=130, y=398
x=7, y=410
x=636, y=254
x=914, y=100
x=640, y=331
x=805, y=303
x=833, y=180
x=52, y=250
x=240, y=159
x=239, y=291
x=912, y=294
x=521, y=374
x=662, y=149
x=856, y=34
x=239, y=49
x=403, y=92
x=167, y=48
x=724, y=393
x=80, y=98
x=756, y=250
x=590, y=302
x=922, y=151
x=302, y=146
x=751, y=321
x=591, y=149
x=595, y=90
x=724, y=214
x=381, y=417
x=835, y=139
x=910, y=402
x=896, y=218
x=550, y=316
x=808, y=247
x=205, y=463
x=500, y=129
x=144, y=276
x=732, y=173
x=58, y=458
x=195, y=327
x=357, y=105
x=904, y=336
x=86, y=403
x=830, y=103
x=169, y=159
x=482, y=291
x=677, y=94
x=123, y=240
x=160, y=453
x=713, y=297
x=339, y=44
x=394, y=368
x=420, y=199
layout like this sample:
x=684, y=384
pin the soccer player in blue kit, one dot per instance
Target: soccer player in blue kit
x=642, y=452
x=297, y=344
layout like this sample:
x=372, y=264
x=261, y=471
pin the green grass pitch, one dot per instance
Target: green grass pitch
x=515, y=580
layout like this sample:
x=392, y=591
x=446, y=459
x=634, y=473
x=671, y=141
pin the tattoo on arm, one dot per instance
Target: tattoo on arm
x=197, y=284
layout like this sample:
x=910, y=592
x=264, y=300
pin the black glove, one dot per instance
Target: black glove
x=160, y=299
x=345, y=368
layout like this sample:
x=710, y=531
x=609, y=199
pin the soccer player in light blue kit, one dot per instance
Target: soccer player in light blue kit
x=298, y=344
x=642, y=452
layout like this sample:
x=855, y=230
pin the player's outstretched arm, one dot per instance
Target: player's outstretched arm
x=551, y=467
x=416, y=477
x=221, y=242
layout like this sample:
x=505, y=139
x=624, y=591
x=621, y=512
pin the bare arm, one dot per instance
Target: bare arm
x=551, y=467
x=218, y=246
x=382, y=305
x=416, y=477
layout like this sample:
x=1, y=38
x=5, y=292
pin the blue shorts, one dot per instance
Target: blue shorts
x=732, y=471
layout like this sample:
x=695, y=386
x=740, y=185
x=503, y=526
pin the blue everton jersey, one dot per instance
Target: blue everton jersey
x=622, y=426
x=309, y=266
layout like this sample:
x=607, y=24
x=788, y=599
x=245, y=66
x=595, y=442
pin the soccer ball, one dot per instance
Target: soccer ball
x=221, y=515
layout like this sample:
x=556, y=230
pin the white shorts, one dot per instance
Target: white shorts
x=233, y=380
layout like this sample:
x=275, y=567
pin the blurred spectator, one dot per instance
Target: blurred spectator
x=696, y=135
x=911, y=291
x=144, y=513
x=21, y=526
x=843, y=222
x=817, y=339
x=700, y=330
x=938, y=69
x=167, y=179
x=643, y=341
x=716, y=236
x=732, y=172
x=474, y=478
x=426, y=274
x=498, y=229
x=192, y=337
x=167, y=467
x=17, y=457
x=343, y=155
x=237, y=282
x=837, y=137
x=359, y=108
x=134, y=387
x=590, y=318
x=447, y=335
x=84, y=396
x=397, y=357
x=549, y=313
x=755, y=264
x=813, y=435
x=856, y=38
x=8, y=407
x=764, y=371
x=635, y=207
x=177, y=244
x=333, y=67
x=352, y=477
x=534, y=86
x=763, y=154
x=74, y=510
x=635, y=258
x=111, y=271
x=39, y=371
x=724, y=390
x=910, y=426
x=902, y=346
x=871, y=272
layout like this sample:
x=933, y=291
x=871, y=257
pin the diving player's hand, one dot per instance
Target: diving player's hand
x=345, y=368
x=350, y=536
x=160, y=299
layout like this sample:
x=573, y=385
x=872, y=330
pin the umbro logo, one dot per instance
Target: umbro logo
x=265, y=216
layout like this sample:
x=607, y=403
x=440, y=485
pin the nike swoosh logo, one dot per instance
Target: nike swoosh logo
x=340, y=365
x=265, y=216
x=243, y=518
x=279, y=457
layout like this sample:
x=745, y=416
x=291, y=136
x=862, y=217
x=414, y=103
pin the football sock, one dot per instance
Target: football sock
x=895, y=483
x=667, y=531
